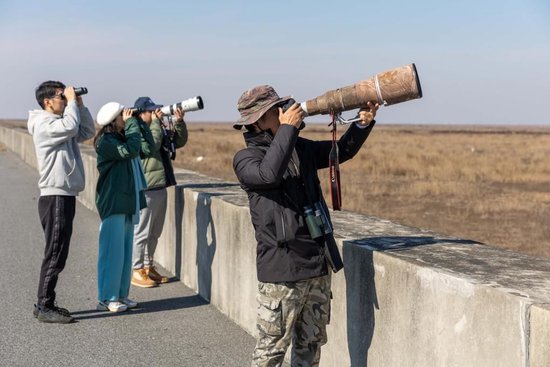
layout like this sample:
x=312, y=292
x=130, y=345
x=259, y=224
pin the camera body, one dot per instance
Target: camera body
x=286, y=105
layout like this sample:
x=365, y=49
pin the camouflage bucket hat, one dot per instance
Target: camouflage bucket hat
x=255, y=102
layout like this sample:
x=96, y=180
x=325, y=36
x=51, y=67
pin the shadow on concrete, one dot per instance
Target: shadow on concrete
x=206, y=244
x=397, y=243
x=207, y=185
x=361, y=296
x=179, y=211
x=178, y=220
x=361, y=300
x=167, y=304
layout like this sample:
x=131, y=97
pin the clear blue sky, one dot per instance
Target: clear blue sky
x=480, y=62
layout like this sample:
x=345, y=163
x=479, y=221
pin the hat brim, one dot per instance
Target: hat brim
x=250, y=119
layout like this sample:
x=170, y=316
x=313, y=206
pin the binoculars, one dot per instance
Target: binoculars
x=316, y=220
x=191, y=104
x=390, y=87
x=80, y=91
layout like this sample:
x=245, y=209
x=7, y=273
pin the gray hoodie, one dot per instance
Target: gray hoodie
x=56, y=141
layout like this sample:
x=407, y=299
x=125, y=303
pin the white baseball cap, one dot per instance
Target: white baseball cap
x=108, y=113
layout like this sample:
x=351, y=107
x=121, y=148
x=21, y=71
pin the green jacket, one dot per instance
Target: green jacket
x=115, y=191
x=152, y=166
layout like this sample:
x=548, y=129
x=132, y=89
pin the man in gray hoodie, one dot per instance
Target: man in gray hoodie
x=57, y=129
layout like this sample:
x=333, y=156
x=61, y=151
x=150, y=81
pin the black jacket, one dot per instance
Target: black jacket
x=279, y=174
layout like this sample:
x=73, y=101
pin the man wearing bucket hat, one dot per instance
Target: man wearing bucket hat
x=159, y=175
x=278, y=170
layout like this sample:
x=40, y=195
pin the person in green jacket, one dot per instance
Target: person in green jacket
x=119, y=198
x=159, y=175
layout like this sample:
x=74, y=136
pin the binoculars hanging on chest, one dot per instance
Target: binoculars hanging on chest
x=386, y=88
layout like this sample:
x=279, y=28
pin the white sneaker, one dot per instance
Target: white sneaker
x=129, y=303
x=113, y=306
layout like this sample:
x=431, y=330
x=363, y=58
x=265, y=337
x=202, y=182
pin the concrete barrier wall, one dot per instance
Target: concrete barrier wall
x=406, y=297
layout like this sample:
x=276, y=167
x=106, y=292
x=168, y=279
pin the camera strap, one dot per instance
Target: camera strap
x=168, y=132
x=334, y=169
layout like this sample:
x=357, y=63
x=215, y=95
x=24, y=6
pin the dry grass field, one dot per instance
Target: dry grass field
x=490, y=184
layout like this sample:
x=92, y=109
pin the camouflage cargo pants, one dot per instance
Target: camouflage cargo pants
x=296, y=312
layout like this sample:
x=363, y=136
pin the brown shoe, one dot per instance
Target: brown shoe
x=141, y=279
x=154, y=275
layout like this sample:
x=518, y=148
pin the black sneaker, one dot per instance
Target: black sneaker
x=61, y=310
x=54, y=315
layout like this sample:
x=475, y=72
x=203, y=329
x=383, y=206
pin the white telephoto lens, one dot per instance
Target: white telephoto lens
x=167, y=110
x=191, y=104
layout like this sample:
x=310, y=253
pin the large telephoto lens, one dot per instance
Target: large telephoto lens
x=387, y=88
x=191, y=104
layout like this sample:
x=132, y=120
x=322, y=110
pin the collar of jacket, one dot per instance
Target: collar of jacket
x=263, y=138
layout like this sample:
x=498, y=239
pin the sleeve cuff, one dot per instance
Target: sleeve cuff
x=363, y=126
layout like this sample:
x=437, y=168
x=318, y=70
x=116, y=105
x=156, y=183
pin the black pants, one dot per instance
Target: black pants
x=56, y=215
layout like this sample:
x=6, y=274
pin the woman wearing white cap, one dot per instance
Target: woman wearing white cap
x=119, y=198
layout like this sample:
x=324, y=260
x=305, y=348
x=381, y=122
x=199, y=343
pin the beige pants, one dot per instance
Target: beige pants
x=149, y=228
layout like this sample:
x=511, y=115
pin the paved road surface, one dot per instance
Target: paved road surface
x=173, y=327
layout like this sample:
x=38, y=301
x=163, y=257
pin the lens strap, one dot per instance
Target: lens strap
x=334, y=169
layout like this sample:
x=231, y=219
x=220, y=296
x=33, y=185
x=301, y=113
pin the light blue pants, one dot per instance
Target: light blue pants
x=114, y=263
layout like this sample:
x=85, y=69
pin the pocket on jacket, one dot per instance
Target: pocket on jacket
x=63, y=169
x=287, y=223
x=280, y=224
x=270, y=317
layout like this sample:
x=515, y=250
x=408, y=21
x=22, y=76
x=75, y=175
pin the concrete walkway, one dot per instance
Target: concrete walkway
x=173, y=326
